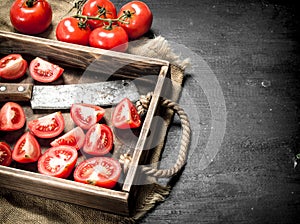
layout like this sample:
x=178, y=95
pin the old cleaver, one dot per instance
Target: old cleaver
x=63, y=96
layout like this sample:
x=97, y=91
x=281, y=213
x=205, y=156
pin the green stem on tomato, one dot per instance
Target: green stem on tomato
x=30, y=3
x=110, y=21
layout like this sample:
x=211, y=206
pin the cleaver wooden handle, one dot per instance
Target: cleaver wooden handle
x=15, y=91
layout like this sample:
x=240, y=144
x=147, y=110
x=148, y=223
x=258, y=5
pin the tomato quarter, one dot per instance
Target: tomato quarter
x=86, y=115
x=48, y=126
x=12, y=117
x=44, y=71
x=125, y=115
x=27, y=149
x=102, y=8
x=5, y=154
x=138, y=17
x=74, y=138
x=98, y=140
x=12, y=66
x=73, y=30
x=31, y=16
x=109, y=38
x=58, y=161
x=100, y=171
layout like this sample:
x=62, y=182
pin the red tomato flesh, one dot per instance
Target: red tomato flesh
x=98, y=140
x=86, y=115
x=12, y=66
x=27, y=149
x=44, y=71
x=74, y=138
x=12, y=117
x=125, y=115
x=5, y=154
x=58, y=161
x=48, y=126
x=100, y=171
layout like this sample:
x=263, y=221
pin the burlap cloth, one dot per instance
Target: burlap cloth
x=17, y=207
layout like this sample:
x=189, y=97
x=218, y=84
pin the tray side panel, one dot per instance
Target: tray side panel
x=69, y=191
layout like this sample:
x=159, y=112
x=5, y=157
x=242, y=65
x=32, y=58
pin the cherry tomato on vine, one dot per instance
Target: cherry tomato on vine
x=27, y=149
x=109, y=38
x=98, y=140
x=44, y=71
x=86, y=115
x=73, y=30
x=48, y=126
x=102, y=8
x=5, y=154
x=138, y=17
x=125, y=115
x=12, y=117
x=12, y=66
x=100, y=171
x=58, y=161
x=31, y=16
x=74, y=138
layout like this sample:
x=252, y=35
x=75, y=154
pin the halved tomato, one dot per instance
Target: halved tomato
x=86, y=115
x=125, y=115
x=74, y=138
x=98, y=140
x=27, y=149
x=12, y=117
x=100, y=171
x=12, y=66
x=48, y=126
x=5, y=154
x=58, y=161
x=44, y=71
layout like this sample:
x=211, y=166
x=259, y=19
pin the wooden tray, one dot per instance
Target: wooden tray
x=94, y=64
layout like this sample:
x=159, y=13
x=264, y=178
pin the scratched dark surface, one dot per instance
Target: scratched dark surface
x=251, y=48
x=241, y=93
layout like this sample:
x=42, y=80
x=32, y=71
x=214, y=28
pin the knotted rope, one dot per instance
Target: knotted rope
x=142, y=106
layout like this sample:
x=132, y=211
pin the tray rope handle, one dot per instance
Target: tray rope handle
x=142, y=106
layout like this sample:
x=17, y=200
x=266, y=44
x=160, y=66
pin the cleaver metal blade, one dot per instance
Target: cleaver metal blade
x=63, y=96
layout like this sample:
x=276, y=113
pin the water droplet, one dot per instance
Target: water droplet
x=266, y=83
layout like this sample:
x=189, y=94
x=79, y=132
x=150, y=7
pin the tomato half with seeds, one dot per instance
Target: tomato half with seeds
x=5, y=154
x=98, y=140
x=102, y=8
x=44, y=71
x=86, y=115
x=27, y=149
x=100, y=171
x=13, y=66
x=138, y=18
x=48, y=126
x=74, y=138
x=58, y=161
x=125, y=115
x=12, y=117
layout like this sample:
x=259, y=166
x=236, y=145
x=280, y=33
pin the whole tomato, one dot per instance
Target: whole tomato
x=73, y=30
x=137, y=17
x=31, y=16
x=102, y=8
x=109, y=38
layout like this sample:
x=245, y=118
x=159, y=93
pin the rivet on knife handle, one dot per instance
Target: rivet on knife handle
x=15, y=91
